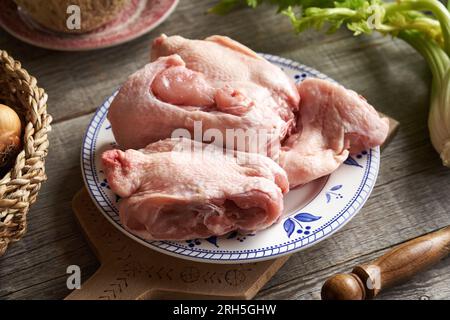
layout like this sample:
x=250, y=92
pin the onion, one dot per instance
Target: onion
x=10, y=133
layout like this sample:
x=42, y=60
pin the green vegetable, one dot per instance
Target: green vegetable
x=424, y=24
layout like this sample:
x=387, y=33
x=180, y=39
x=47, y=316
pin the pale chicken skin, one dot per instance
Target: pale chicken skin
x=178, y=189
x=147, y=100
x=332, y=122
x=171, y=193
x=222, y=59
x=217, y=82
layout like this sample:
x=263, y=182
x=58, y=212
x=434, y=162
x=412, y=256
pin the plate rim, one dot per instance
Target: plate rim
x=118, y=42
x=367, y=185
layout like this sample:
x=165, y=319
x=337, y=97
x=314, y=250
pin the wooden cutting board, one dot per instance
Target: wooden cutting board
x=130, y=270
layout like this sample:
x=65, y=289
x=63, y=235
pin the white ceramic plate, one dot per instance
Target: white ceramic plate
x=312, y=212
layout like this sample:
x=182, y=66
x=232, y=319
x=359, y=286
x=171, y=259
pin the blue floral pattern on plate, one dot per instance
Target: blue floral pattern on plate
x=351, y=161
x=333, y=193
x=295, y=222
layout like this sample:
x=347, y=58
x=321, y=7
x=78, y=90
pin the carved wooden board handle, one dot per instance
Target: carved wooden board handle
x=397, y=265
x=131, y=271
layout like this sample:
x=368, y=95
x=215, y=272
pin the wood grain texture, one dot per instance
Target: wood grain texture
x=410, y=198
x=398, y=265
x=130, y=271
x=432, y=284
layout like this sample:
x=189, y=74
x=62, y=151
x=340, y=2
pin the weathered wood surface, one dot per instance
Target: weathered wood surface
x=130, y=271
x=410, y=198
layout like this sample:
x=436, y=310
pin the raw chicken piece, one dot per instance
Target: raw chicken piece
x=166, y=96
x=221, y=85
x=183, y=87
x=333, y=121
x=178, y=189
x=224, y=60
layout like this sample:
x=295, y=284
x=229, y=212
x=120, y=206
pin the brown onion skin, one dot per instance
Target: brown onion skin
x=10, y=135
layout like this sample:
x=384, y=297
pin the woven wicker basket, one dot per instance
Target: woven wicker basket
x=19, y=187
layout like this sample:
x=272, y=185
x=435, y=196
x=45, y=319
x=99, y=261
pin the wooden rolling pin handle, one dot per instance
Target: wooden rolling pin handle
x=397, y=265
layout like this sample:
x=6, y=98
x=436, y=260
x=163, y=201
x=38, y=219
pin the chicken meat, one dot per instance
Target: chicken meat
x=332, y=123
x=217, y=84
x=178, y=189
x=224, y=60
x=213, y=93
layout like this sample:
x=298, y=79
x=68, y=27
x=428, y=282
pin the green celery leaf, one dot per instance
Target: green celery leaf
x=225, y=6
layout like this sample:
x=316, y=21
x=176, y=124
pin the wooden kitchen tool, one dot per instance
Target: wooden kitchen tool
x=130, y=270
x=396, y=266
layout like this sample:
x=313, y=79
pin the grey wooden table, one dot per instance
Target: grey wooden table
x=411, y=197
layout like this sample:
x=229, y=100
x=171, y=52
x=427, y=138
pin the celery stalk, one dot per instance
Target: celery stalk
x=439, y=116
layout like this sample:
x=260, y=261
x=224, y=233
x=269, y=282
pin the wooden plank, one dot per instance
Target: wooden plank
x=389, y=217
x=53, y=240
x=158, y=275
x=432, y=284
x=411, y=193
